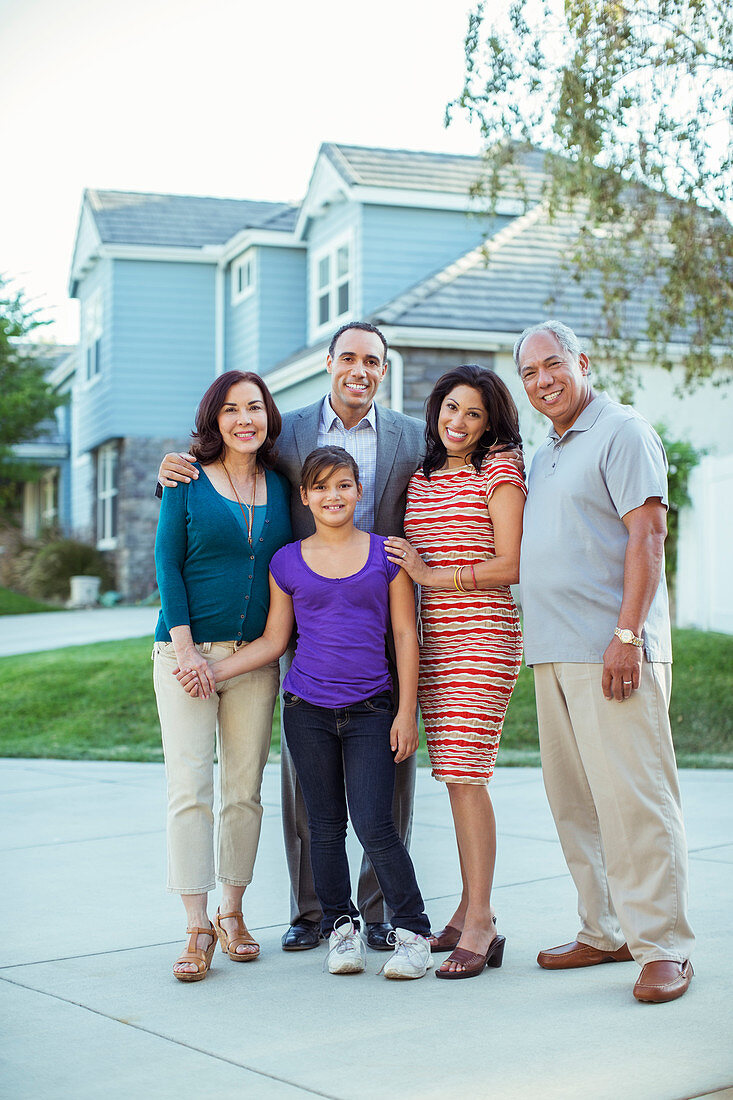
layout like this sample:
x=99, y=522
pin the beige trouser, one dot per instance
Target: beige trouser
x=611, y=780
x=237, y=718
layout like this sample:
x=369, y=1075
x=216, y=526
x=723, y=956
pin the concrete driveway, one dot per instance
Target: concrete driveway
x=54, y=629
x=90, y=1009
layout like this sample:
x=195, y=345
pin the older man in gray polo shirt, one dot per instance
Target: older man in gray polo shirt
x=596, y=630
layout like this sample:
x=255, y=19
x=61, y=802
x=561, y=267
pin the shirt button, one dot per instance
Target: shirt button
x=241, y=617
x=251, y=557
x=246, y=598
x=250, y=576
x=267, y=521
x=261, y=539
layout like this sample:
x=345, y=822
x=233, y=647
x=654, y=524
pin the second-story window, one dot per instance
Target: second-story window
x=332, y=278
x=92, y=334
x=243, y=276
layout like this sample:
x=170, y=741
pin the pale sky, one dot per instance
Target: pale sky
x=203, y=97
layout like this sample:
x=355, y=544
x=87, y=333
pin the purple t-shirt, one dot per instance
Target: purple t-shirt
x=340, y=656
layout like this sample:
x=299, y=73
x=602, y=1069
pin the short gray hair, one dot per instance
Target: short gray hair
x=564, y=335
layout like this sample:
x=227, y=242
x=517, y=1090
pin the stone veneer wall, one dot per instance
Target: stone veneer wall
x=137, y=515
x=424, y=366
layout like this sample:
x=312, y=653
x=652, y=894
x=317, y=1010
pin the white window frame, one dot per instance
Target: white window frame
x=245, y=265
x=49, y=498
x=107, y=494
x=334, y=282
x=92, y=328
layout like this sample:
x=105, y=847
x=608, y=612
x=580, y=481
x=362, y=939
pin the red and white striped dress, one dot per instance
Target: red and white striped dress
x=471, y=646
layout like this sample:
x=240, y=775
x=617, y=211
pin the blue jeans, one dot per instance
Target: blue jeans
x=340, y=754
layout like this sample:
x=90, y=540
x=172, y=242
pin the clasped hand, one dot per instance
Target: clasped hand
x=198, y=681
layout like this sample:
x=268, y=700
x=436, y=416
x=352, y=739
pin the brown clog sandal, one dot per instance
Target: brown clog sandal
x=201, y=956
x=446, y=939
x=229, y=944
x=472, y=963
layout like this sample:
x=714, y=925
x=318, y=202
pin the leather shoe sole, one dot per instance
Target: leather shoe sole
x=663, y=980
x=302, y=936
x=570, y=956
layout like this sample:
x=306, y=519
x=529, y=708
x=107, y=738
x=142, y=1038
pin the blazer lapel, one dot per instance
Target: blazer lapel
x=388, y=437
x=306, y=430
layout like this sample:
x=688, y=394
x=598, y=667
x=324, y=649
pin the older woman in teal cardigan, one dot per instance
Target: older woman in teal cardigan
x=215, y=538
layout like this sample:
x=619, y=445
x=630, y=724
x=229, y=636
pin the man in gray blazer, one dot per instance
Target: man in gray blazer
x=388, y=447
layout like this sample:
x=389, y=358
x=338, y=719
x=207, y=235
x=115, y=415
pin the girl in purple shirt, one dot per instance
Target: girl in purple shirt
x=341, y=591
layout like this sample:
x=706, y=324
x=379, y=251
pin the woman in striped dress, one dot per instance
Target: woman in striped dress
x=464, y=528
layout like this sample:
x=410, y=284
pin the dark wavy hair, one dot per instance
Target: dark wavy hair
x=206, y=442
x=503, y=426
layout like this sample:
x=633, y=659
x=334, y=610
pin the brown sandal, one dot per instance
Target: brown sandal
x=229, y=944
x=472, y=963
x=446, y=939
x=201, y=956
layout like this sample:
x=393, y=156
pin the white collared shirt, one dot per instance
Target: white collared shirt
x=361, y=442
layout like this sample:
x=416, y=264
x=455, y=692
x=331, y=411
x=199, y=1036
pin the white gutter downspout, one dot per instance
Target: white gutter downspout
x=397, y=374
x=219, y=303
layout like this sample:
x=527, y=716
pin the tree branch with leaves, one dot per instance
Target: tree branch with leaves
x=632, y=104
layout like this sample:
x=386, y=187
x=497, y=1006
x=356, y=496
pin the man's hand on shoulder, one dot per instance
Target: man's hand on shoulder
x=177, y=468
x=511, y=454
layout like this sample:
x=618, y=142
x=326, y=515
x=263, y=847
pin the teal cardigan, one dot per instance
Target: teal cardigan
x=208, y=577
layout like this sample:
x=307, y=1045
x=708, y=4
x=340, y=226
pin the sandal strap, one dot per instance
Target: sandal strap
x=463, y=957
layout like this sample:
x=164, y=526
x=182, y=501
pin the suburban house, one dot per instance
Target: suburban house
x=176, y=289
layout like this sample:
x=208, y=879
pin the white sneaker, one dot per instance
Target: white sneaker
x=346, y=949
x=412, y=956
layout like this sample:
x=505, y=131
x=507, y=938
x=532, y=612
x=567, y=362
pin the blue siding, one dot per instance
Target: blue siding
x=282, y=302
x=241, y=326
x=402, y=246
x=160, y=325
x=92, y=418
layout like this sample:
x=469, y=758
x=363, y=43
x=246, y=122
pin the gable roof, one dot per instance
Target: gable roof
x=414, y=170
x=180, y=221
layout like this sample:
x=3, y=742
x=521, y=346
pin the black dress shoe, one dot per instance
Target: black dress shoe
x=377, y=937
x=302, y=936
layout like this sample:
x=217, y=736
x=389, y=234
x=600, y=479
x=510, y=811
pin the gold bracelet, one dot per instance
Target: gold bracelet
x=457, y=579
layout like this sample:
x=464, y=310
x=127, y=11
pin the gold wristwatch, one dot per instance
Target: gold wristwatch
x=628, y=637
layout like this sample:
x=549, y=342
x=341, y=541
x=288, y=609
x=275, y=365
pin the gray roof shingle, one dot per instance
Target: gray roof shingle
x=519, y=280
x=419, y=171
x=181, y=221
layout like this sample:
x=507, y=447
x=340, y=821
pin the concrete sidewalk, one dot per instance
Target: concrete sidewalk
x=90, y=1009
x=54, y=629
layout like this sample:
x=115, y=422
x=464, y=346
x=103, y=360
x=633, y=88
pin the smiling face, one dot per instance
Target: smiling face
x=332, y=496
x=242, y=420
x=462, y=421
x=555, y=382
x=356, y=368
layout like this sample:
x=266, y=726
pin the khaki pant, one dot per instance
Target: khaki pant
x=237, y=718
x=611, y=780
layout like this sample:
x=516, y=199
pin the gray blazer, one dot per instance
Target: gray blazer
x=400, y=449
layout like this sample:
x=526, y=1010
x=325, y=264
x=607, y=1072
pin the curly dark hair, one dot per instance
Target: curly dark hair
x=206, y=442
x=503, y=426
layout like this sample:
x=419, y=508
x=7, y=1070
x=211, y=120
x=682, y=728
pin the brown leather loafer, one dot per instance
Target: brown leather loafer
x=662, y=981
x=572, y=955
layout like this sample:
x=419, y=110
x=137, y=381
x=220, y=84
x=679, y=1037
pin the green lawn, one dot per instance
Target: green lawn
x=96, y=703
x=14, y=603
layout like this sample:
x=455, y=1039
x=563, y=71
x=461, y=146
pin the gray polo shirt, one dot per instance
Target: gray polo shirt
x=572, y=565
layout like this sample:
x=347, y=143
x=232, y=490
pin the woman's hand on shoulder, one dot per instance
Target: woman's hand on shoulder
x=176, y=468
x=401, y=552
x=404, y=736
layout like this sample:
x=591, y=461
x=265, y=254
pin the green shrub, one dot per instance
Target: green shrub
x=53, y=566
